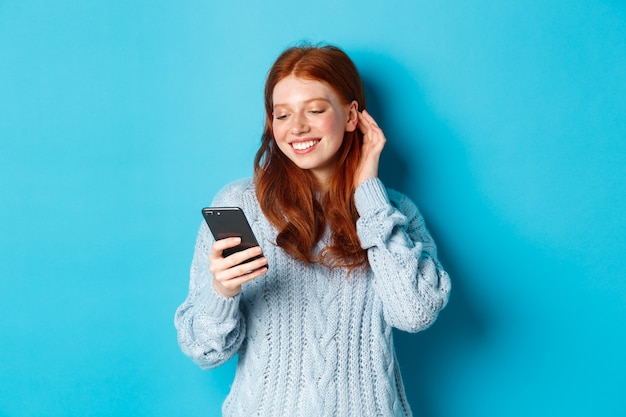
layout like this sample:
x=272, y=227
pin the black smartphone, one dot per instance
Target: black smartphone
x=227, y=222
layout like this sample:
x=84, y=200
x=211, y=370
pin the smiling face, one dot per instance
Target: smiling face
x=309, y=121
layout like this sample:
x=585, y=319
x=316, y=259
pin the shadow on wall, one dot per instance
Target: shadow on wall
x=395, y=99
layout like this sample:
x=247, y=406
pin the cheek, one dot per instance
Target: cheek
x=332, y=125
x=277, y=131
x=280, y=137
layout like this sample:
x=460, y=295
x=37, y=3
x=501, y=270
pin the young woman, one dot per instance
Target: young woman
x=348, y=259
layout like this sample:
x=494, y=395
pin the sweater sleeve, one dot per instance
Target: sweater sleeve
x=211, y=328
x=408, y=277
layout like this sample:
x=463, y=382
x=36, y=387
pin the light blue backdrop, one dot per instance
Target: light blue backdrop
x=506, y=123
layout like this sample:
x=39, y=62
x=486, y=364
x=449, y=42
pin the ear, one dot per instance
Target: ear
x=353, y=116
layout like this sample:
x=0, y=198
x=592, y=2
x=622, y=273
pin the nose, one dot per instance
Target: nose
x=299, y=124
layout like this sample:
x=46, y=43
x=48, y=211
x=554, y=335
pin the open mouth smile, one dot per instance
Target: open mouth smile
x=303, y=146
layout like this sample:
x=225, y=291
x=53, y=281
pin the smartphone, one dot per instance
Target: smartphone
x=227, y=222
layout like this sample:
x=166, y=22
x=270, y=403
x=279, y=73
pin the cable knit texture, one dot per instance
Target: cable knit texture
x=311, y=341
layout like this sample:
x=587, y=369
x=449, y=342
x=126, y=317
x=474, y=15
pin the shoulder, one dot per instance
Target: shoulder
x=233, y=192
x=240, y=193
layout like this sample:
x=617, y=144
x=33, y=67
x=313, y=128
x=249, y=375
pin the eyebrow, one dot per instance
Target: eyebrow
x=305, y=102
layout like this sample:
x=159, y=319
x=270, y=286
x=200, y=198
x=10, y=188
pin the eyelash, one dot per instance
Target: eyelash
x=284, y=116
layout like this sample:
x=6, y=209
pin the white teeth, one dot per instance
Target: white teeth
x=300, y=146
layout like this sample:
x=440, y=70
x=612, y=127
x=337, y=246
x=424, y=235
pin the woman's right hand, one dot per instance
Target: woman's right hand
x=373, y=143
x=230, y=273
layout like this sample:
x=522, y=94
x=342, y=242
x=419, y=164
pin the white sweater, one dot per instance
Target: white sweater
x=312, y=342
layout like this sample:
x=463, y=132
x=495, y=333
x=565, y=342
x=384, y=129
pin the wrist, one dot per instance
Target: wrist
x=223, y=291
x=370, y=195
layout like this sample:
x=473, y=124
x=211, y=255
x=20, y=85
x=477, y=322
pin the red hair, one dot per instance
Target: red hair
x=287, y=193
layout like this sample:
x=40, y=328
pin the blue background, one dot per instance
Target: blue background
x=506, y=123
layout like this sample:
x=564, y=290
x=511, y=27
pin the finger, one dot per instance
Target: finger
x=220, y=245
x=368, y=118
x=244, y=272
x=232, y=287
x=364, y=127
x=228, y=274
x=243, y=256
x=368, y=125
x=252, y=270
x=235, y=265
x=246, y=277
x=253, y=275
x=244, y=268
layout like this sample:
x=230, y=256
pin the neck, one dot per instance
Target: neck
x=321, y=183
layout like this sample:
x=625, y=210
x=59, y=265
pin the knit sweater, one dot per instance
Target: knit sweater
x=312, y=341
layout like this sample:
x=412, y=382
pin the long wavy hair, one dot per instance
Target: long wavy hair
x=290, y=196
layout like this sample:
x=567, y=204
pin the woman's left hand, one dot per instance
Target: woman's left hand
x=373, y=144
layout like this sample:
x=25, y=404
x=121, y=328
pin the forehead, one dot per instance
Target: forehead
x=294, y=89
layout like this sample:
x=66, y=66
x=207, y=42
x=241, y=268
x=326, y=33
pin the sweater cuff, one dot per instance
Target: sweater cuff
x=219, y=307
x=370, y=195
